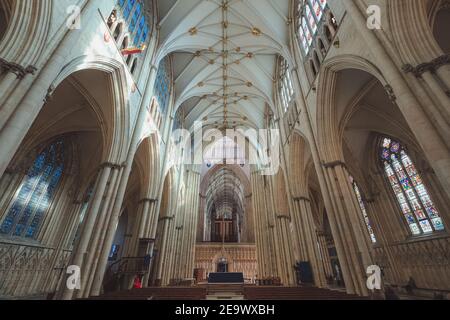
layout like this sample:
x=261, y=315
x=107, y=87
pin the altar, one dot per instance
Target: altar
x=229, y=258
x=225, y=277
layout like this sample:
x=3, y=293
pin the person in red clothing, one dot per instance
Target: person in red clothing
x=137, y=283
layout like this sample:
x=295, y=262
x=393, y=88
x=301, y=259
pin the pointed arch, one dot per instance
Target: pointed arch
x=31, y=19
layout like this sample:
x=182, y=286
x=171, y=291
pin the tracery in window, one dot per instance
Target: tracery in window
x=162, y=88
x=311, y=14
x=128, y=21
x=132, y=11
x=285, y=86
x=316, y=28
x=415, y=202
x=35, y=194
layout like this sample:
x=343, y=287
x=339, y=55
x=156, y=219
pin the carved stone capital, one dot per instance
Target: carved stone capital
x=298, y=199
x=431, y=66
x=334, y=164
x=110, y=165
x=150, y=200
x=17, y=69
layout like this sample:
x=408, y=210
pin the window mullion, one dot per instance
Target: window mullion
x=425, y=212
x=29, y=197
x=307, y=21
x=408, y=202
x=41, y=197
x=314, y=12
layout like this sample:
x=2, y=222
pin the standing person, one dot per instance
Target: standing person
x=137, y=283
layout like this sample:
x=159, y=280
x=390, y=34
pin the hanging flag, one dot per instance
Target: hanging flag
x=133, y=50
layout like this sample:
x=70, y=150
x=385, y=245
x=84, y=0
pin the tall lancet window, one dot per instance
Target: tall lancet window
x=310, y=16
x=362, y=206
x=35, y=194
x=162, y=88
x=134, y=15
x=412, y=195
x=286, y=86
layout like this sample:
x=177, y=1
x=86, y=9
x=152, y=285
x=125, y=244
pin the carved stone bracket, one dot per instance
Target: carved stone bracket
x=334, y=164
x=49, y=95
x=390, y=93
x=431, y=66
x=15, y=68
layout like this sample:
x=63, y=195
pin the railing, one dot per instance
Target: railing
x=130, y=265
x=120, y=272
x=426, y=260
x=27, y=269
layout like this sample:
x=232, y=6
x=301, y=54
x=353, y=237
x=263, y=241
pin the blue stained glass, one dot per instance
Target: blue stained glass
x=395, y=147
x=162, y=85
x=133, y=12
x=137, y=38
x=35, y=193
x=145, y=34
x=134, y=20
x=406, y=184
x=128, y=8
x=410, y=218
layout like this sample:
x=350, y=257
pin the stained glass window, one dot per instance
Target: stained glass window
x=163, y=85
x=362, y=206
x=134, y=14
x=35, y=194
x=286, y=87
x=310, y=16
x=415, y=202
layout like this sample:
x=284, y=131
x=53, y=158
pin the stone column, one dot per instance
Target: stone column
x=80, y=250
x=189, y=230
x=117, y=206
x=98, y=237
x=263, y=243
x=163, y=250
x=352, y=248
x=325, y=254
x=306, y=229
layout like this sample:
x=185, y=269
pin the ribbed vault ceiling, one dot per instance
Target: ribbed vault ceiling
x=225, y=192
x=224, y=58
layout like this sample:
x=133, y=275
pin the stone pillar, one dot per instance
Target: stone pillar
x=352, y=248
x=187, y=241
x=80, y=250
x=261, y=227
x=122, y=183
x=305, y=228
x=98, y=237
x=325, y=254
x=430, y=73
x=163, y=250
